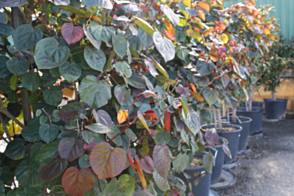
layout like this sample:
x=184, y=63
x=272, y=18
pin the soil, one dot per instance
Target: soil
x=267, y=170
x=196, y=162
x=223, y=129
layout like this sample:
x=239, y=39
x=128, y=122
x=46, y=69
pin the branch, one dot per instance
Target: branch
x=4, y=127
x=8, y=114
x=124, y=129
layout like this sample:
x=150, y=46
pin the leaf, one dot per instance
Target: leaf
x=162, y=159
x=184, y=103
x=147, y=164
x=25, y=37
x=84, y=161
x=160, y=182
x=49, y=55
x=213, y=53
x=192, y=121
x=101, y=32
x=125, y=186
x=3, y=68
x=122, y=116
x=170, y=14
x=47, y=152
x=6, y=29
x=95, y=58
x=71, y=111
x=211, y=137
x=95, y=93
x=27, y=174
x=16, y=149
x=122, y=94
x=142, y=120
x=201, y=14
x=136, y=81
x=206, y=116
x=161, y=69
x=124, y=69
x=53, y=96
x=87, y=136
x=144, y=25
x=204, y=6
x=225, y=80
x=52, y=170
x=78, y=182
x=169, y=28
x=140, y=172
x=162, y=137
x=13, y=3
x=94, y=42
x=107, y=162
x=204, y=68
x=48, y=133
x=31, y=132
x=71, y=34
x=70, y=72
x=210, y=95
x=120, y=44
x=197, y=96
x=164, y=46
x=102, y=117
x=181, y=162
x=57, y=190
x=98, y=128
x=145, y=147
x=98, y=3
x=166, y=121
x=139, y=192
x=192, y=12
x=208, y=162
x=224, y=38
x=145, y=38
x=18, y=66
x=30, y=81
x=227, y=149
x=70, y=148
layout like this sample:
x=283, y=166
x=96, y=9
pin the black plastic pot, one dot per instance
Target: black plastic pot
x=219, y=160
x=245, y=124
x=275, y=109
x=256, y=104
x=202, y=188
x=256, y=116
x=232, y=137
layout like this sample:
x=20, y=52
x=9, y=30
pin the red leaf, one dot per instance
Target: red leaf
x=71, y=34
x=107, y=162
x=151, y=115
x=77, y=182
x=169, y=35
x=156, y=7
x=52, y=170
x=90, y=146
x=130, y=157
x=122, y=116
x=162, y=159
x=166, y=121
x=143, y=8
x=70, y=148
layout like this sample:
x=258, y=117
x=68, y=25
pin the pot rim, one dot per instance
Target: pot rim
x=248, y=119
x=227, y=125
x=277, y=100
x=254, y=109
x=223, y=139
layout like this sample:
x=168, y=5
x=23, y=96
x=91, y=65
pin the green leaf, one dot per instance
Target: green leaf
x=145, y=38
x=57, y=191
x=95, y=58
x=204, y=68
x=102, y=32
x=183, y=54
x=135, y=43
x=181, y=162
x=30, y=81
x=124, y=186
x=49, y=55
x=47, y=152
x=132, y=136
x=98, y=3
x=136, y=81
x=164, y=46
x=120, y=44
x=18, y=66
x=124, y=69
x=206, y=116
x=208, y=162
x=84, y=161
x=48, y=133
x=2, y=188
x=162, y=137
x=95, y=93
x=98, y=128
x=13, y=83
x=180, y=36
x=31, y=132
x=3, y=68
x=192, y=121
x=25, y=36
x=114, y=131
x=52, y=170
x=122, y=94
x=184, y=103
x=94, y=42
x=5, y=29
x=87, y=136
x=144, y=25
x=70, y=72
x=53, y=96
x=99, y=186
x=16, y=149
x=160, y=182
x=13, y=3
x=210, y=95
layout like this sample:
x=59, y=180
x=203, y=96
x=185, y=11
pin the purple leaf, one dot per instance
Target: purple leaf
x=90, y=146
x=182, y=90
x=147, y=164
x=211, y=138
x=71, y=111
x=70, y=148
x=52, y=170
x=162, y=160
x=150, y=66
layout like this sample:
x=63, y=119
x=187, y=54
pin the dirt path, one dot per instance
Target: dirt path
x=268, y=170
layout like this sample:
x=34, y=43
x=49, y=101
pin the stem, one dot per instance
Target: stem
x=214, y=117
x=48, y=116
x=4, y=127
x=8, y=114
x=234, y=115
x=219, y=120
x=274, y=96
x=122, y=131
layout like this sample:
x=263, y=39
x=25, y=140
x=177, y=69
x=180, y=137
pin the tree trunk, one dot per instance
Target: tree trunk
x=274, y=96
x=219, y=120
x=234, y=115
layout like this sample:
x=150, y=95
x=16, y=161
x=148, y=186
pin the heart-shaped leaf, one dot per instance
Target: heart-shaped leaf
x=48, y=133
x=98, y=128
x=18, y=66
x=192, y=121
x=52, y=170
x=47, y=152
x=101, y=32
x=124, y=69
x=122, y=116
x=25, y=36
x=70, y=72
x=122, y=94
x=87, y=136
x=204, y=67
x=95, y=58
x=160, y=181
x=53, y=96
x=71, y=34
x=170, y=14
x=16, y=149
x=107, y=4
x=208, y=162
x=107, y=162
x=48, y=54
x=164, y=46
x=95, y=93
x=102, y=117
x=125, y=185
x=30, y=81
x=12, y=3
x=61, y=2
x=94, y=42
x=3, y=67
x=210, y=95
x=77, y=182
x=144, y=25
x=31, y=132
x=206, y=116
x=71, y=111
x=162, y=159
x=181, y=162
x=211, y=138
x=70, y=148
x=147, y=164
x=84, y=161
x=120, y=44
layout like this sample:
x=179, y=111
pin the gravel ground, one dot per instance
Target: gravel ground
x=268, y=169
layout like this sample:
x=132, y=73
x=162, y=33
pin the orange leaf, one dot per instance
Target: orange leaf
x=197, y=96
x=272, y=37
x=140, y=172
x=122, y=116
x=151, y=115
x=204, y=6
x=169, y=35
x=243, y=83
x=130, y=157
x=206, y=33
x=214, y=54
x=196, y=29
x=201, y=14
x=166, y=121
x=78, y=182
x=169, y=27
x=193, y=87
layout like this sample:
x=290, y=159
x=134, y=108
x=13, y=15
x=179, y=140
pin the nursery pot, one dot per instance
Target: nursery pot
x=275, y=109
x=232, y=137
x=202, y=188
x=219, y=160
x=245, y=124
x=256, y=116
x=256, y=104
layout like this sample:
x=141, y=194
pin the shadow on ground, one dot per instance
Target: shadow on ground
x=268, y=170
